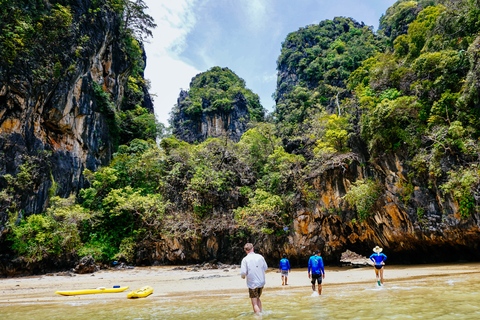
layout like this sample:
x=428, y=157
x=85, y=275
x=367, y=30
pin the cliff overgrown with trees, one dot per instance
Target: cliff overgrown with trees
x=43, y=43
x=71, y=92
x=371, y=130
x=217, y=104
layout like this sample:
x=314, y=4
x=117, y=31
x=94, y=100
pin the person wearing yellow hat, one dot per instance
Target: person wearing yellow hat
x=378, y=259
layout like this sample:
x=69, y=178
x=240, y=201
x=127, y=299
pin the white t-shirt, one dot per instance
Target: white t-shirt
x=254, y=267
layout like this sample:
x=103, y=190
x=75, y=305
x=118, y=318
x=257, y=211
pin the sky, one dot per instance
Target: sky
x=192, y=36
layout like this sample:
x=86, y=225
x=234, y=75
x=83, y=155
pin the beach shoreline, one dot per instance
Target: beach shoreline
x=170, y=281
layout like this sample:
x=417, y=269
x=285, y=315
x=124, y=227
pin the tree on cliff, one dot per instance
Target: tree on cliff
x=134, y=18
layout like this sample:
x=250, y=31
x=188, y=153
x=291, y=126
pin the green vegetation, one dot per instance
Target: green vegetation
x=363, y=194
x=398, y=17
x=130, y=202
x=107, y=108
x=262, y=213
x=217, y=90
x=14, y=188
x=460, y=184
x=135, y=22
x=52, y=234
x=322, y=57
x=330, y=133
x=25, y=27
x=417, y=96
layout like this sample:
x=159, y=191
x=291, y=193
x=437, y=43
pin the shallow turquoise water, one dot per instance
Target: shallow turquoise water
x=438, y=297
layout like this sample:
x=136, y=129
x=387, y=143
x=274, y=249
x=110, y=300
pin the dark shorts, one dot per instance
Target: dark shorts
x=378, y=266
x=255, y=293
x=316, y=277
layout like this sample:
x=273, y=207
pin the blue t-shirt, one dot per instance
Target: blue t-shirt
x=377, y=258
x=284, y=265
x=315, y=264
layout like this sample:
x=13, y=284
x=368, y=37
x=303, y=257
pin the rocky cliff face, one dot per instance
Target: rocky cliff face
x=217, y=104
x=436, y=232
x=231, y=124
x=55, y=129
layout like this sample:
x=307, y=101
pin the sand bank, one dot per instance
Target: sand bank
x=167, y=281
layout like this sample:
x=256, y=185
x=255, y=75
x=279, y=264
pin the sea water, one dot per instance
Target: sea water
x=434, y=297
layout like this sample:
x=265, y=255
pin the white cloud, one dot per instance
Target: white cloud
x=256, y=13
x=166, y=72
x=269, y=77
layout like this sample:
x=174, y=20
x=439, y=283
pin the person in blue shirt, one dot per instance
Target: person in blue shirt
x=315, y=265
x=284, y=269
x=378, y=259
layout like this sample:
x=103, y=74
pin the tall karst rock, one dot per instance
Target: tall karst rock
x=67, y=69
x=313, y=68
x=217, y=105
x=412, y=163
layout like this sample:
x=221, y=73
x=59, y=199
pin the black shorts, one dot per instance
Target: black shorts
x=317, y=277
x=378, y=266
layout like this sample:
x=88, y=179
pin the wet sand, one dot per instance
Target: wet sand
x=168, y=282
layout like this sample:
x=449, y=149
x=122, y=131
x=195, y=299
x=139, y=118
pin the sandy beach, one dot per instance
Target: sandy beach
x=169, y=281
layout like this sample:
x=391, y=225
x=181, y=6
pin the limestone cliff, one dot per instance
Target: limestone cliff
x=319, y=59
x=217, y=105
x=423, y=227
x=216, y=124
x=52, y=124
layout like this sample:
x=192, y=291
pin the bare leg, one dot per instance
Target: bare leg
x=319, y=288
x=286, y=280
x=377, y=275
x=257, y=305
x=313, y=286
x=283, y=280
x=381, y=275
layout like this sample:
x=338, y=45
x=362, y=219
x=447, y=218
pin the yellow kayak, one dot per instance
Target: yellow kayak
x=92, y=291
x=140, y=293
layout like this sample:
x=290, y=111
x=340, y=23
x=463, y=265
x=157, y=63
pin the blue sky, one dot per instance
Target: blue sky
x=193, y=36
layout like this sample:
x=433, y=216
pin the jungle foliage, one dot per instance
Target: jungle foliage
x=149, y=192
x=418, y=95
x=216, y=90
x=398, y=17
x=321, y=57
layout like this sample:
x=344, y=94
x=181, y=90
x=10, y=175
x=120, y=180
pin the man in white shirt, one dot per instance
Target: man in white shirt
x=253, y=268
